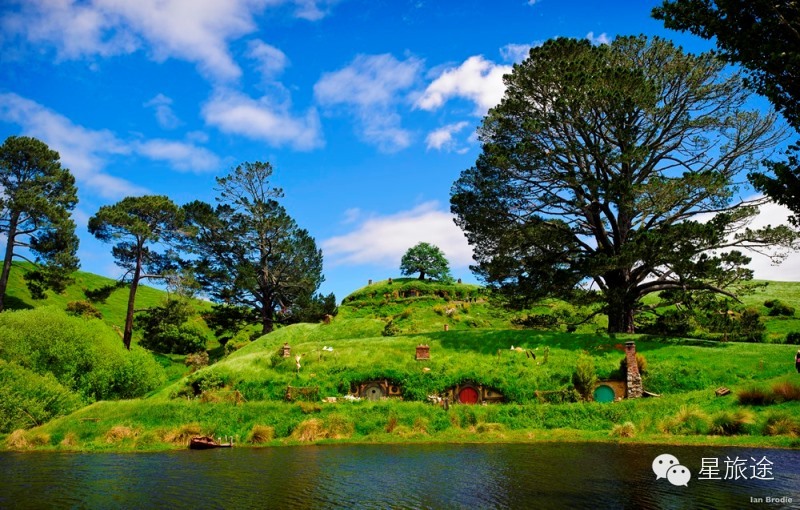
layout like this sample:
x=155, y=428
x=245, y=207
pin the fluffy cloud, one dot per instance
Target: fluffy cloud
x=600, y=39
x=762, y=266
x=443, y=138
x=235, y=113
x=477, y=80
x=384, y=240
x=271, y=61
x=162, y=105
x=372, y=87
x=86, y=152
x=197, y=31
x=515, y=53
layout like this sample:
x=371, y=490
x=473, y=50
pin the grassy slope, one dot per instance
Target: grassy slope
x=477, y=347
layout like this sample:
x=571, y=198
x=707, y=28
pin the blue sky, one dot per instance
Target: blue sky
x=366, y=109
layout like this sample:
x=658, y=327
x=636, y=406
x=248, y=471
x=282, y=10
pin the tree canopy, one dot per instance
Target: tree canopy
x=427, y=260
x=250, y=252
x=615, y=167
x=36, y=197
x=139, y=226
x=764, y=37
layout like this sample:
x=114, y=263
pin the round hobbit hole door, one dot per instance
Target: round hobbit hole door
x=604, y=393
x=373, y=392
x=468, y=395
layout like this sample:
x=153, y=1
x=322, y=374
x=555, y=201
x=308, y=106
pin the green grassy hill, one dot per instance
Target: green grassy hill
x=244, y=394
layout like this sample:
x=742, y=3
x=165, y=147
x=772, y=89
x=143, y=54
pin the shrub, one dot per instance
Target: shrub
x=755, y=396
x=669, y=323
x=584, y=378
x=793, y=337
x=786, y=391
x=261, y=434
x=309, y=430
x=780, y=425
x=727, y=423
x=779, y=308
x=688, y=420
x=87, y=357
x=390, y=329
x=627, y=429
x=184, y=339
x=28, y=399
x=83, y=309
x=197, y=360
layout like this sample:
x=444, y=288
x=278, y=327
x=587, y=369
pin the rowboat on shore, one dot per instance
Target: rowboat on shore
x=206, y=443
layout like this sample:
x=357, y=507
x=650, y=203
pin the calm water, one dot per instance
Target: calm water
x=411, y=476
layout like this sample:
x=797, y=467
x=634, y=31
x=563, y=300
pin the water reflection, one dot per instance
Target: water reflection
x=409, y=476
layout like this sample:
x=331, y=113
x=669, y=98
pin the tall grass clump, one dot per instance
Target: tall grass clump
x=755, y=396
x=786, y=391
x=584, y=378
x=780, y=424
x=84, y=355
x=730, y=423
x=688, y=420
x=627, y=429
x=261, y=434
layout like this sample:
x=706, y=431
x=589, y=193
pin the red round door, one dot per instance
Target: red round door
x=468, y=395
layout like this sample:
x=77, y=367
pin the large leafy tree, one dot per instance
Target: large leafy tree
x=144, y=229
x=764, y=37
x=250, y=252
x=616, y=166
x=36, y=197
x=425, y=259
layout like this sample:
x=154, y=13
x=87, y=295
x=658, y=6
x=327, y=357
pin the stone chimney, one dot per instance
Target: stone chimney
x=423, y=352
x=634, y=385
x=286, y=351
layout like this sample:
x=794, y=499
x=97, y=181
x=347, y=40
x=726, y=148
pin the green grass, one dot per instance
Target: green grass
x=246, y=389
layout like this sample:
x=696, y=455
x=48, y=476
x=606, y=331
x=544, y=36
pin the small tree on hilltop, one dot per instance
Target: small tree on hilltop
x=426, y=259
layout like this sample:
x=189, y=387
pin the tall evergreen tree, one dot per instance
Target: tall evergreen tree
x=36, y=197
x=251, y=253
x=615, y=165
x=139, y=226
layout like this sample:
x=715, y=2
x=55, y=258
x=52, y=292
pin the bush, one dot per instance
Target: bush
x=727, y=423
x=688, y=420
x=793, y=338
x=83, y=309
x=778, y=308
x=28, y=399
x=786, y=392
x=754, y=396
x=627, y=429
x=196, y=361
x=87, y=357
x=390, y=329
x=166, y=330
x=584, y=378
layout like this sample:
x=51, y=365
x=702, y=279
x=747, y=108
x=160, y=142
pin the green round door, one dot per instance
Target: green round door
x=603, y=393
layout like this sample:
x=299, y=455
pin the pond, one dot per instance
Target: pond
x=551, y=475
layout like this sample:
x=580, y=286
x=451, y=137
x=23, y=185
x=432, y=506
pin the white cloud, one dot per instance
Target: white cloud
x=271, y=61
x=384, y=240
x=197, y=31
x=164, y=115
x=763, y=268
x=516, y=53
x=372, y=87
x=600, y=39
x=180, y=155
x=477, y=80
x=86, y=152
x=235, y=113
x=442, y=138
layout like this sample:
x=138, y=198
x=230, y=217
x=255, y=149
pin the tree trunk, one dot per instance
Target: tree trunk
x=12, y=233
x=620, y=303
x=422, y=275
x=137, y=273
x=267, y=323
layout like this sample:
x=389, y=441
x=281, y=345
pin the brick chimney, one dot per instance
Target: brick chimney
x=634, y=385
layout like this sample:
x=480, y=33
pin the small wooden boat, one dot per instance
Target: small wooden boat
x=206, y=443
